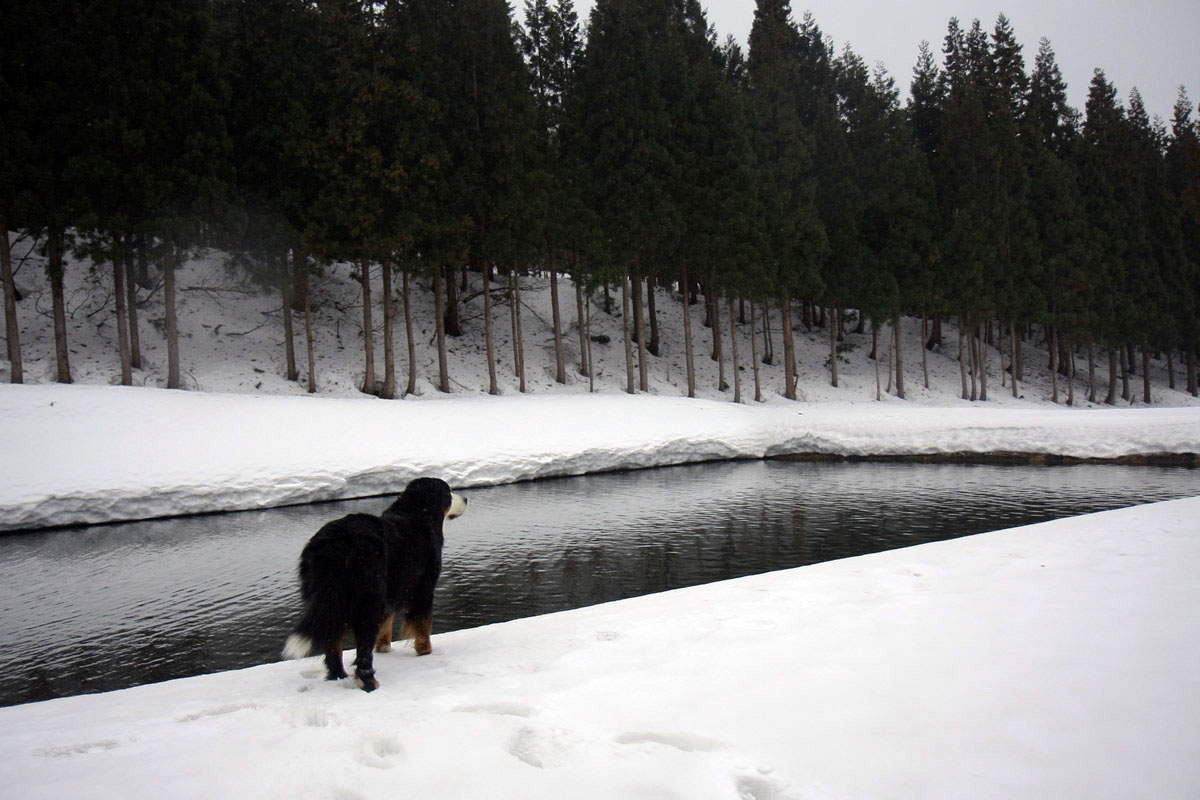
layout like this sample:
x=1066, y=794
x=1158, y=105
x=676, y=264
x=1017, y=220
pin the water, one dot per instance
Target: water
x=106, y=607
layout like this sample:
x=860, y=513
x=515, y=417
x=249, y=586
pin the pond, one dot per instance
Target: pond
x=106, y=607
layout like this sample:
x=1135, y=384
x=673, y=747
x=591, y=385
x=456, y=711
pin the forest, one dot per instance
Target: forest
x=452, y=147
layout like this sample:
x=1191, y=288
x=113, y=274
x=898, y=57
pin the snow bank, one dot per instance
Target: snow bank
x=86, y=454
x=1055, y=660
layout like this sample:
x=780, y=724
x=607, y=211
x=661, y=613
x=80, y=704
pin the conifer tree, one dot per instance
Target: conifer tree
x=783, y=146
x=1183, y=181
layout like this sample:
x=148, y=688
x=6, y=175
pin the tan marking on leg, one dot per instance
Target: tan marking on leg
x=383, y=642
x=419, y=630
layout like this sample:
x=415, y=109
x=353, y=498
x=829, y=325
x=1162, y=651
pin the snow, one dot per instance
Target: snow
x=1054, y=660
x=94, y=454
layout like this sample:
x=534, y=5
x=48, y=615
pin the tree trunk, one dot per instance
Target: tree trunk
x=439, y=310
x=588, y=339
x=285, y=297
x=11, y=328
x=833, y=351
x=768, y=344
x=635, y=298
x=560, y=364
x=789, y=351
x=131, y=307
x=122, y=317
x=1019, y=362
x=640, y=323
x=934, y=338
x=1000, y=352
x=1125, y=367
x=1146, y=377
x=875, y=349
x=1053, y=365
x=1192, y=386
x=389, y=351
x=625, y=324
x=973, y=346
x=1170, y=369
x=1111, y=399
x=489, y=342
x=684, y=283
x=54, y=268
x=899, y=357
x=722, y=384
x=453, y=324
x=653, y=344
x=1070, y=373
x=368, y=386
x=962, y=361
x=1012, y=356
x=411, y=388
x=713, y=321
x=518, y=338
x=173, y=378
x=983, y=360
x=924, y=350
x=754, y=353
x=300, y=264
x=737, y=378
x=1091, y=372
x=584, y=358
x=891, y=344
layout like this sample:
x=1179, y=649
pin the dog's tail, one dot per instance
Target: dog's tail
x=325, y=615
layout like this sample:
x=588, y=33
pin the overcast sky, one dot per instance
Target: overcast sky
x=1153, y=45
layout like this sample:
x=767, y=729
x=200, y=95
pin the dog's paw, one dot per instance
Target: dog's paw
x=365, y=680
x=383, y=648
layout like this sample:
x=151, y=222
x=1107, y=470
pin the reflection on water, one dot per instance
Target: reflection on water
x=93, y=609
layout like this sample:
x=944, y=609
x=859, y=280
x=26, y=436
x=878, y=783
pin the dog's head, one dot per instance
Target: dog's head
x=432, y=496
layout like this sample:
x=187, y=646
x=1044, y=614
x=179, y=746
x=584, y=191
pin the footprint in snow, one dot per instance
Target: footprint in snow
x=380, y=751
x=541, y=748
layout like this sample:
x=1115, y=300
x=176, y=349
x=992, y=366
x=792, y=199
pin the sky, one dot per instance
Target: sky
x=1153, y=45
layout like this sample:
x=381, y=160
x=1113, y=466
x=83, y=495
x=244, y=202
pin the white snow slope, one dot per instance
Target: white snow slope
x=94, y=452
x=79, y=454
x=1051, y=661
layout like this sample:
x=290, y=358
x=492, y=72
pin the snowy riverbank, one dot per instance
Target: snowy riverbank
x=1050, y=661
x=84, y=454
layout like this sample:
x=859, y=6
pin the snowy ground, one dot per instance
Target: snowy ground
x=92, y=454
x=1050, y=661
x=232, y=341
x=95, y=452
x=1056, y=660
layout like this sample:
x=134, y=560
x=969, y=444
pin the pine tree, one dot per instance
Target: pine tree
x=1183, y=181
x=783, y=147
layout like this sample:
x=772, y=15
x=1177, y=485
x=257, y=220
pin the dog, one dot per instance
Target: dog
x=360, y=571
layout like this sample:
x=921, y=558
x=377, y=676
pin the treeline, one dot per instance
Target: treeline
x=436, y=142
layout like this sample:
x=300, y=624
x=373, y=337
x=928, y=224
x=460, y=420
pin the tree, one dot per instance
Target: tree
x=1183, y=181
x=623, y=141
x=552, y=48
x=783, y=146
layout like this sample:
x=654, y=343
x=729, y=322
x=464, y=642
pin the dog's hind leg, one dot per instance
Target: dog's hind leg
x=366, y=631
x=383, y=642
x=418, y=628
x=334, y=668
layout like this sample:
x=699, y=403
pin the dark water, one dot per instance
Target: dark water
x=93, y=609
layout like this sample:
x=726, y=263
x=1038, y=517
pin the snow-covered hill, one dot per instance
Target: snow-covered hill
x=232, y=341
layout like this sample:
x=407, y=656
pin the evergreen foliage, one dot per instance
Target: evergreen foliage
x=438, y=138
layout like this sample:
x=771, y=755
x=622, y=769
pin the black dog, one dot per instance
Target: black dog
x=359, y=571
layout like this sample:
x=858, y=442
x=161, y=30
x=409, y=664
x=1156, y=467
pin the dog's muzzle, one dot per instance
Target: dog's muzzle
x=458, y=504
